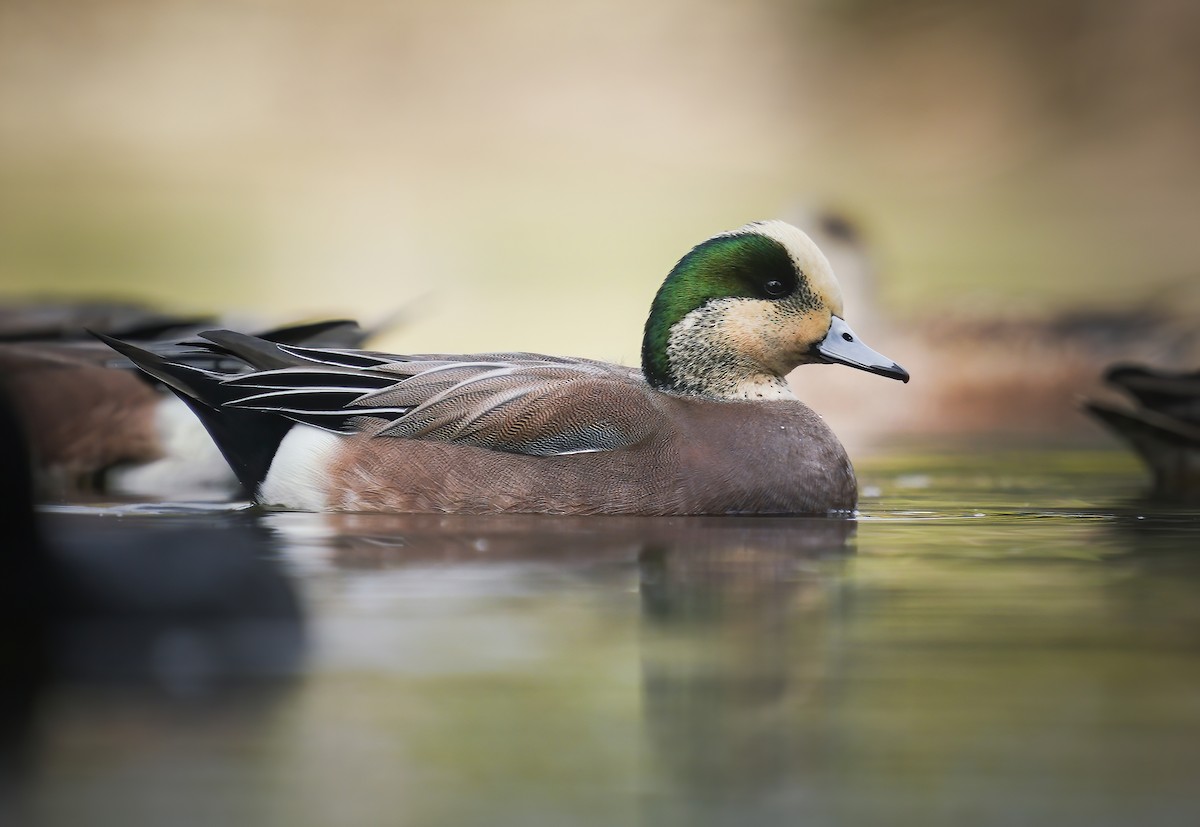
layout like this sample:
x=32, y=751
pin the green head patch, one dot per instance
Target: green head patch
x=744, y=264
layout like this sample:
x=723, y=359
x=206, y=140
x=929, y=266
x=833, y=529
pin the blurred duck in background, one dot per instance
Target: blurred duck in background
x=996, y=375
x=69, y=321
x=98, y=425
x=1163, y=425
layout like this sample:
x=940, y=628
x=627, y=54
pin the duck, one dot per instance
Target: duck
x=96, y=425
x=1162, y=426
x=708, y=425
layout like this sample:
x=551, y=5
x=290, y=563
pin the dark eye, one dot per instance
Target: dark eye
x=775, y=288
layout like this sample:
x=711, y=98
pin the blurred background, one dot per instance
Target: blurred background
x=521, y=175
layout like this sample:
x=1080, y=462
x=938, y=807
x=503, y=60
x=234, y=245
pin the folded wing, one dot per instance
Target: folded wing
x=515, y=402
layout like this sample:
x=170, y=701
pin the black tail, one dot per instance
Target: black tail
x=335, y=333
x=255, y=351
x=247, y=439
x=1172, y=393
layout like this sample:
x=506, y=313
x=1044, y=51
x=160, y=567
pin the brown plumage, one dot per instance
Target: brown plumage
x=82, y=416
x=778, y=458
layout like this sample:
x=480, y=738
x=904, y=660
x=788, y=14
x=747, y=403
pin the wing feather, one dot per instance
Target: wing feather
x=514, y=402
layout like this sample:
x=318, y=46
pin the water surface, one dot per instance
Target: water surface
x=998, y=639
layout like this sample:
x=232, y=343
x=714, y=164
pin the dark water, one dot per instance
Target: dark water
x=998, y=640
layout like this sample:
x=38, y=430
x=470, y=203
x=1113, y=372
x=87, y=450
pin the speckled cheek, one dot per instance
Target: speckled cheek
x=776, y=335
x=800, y=333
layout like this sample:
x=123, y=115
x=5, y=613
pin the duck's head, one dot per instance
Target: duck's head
x=744, y=308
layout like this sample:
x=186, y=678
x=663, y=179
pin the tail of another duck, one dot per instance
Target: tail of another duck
x=1163, y=427
x=247, y=439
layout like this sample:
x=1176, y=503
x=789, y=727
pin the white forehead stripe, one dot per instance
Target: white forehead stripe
x=805, y=254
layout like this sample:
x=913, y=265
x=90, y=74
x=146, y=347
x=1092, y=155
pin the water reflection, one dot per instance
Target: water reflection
x=727, y=636
x=182, y=602
x=736, y=643
x=1008, y=641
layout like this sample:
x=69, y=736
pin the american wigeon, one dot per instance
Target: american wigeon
x=708, y=426
x=96, y=424
x=1163, y=428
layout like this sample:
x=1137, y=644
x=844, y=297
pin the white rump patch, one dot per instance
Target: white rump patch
x=298, y=477
x=192, y=465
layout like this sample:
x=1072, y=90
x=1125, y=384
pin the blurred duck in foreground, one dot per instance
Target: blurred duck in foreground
x=1163, y=427
x=95, y=423
x=995, y=374
x=708, y=426
x=181, y=601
